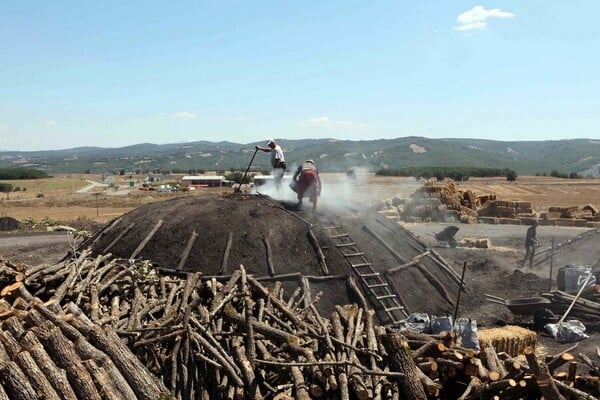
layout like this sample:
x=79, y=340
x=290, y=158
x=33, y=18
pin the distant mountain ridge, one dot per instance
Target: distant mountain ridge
x=527, y=157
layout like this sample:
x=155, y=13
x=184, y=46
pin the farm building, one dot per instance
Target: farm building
x=203, y=181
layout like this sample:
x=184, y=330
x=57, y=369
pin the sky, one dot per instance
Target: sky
x=116, y=73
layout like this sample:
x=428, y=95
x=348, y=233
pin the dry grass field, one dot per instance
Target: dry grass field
x=58, y=199
x=542, y=192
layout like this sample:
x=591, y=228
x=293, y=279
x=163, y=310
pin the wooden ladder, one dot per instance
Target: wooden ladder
x=378, y=290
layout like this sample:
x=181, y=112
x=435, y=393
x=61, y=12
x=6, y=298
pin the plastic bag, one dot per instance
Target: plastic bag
x=566, y=332
x=466, y=330
x=441, y=324
x=419, y=322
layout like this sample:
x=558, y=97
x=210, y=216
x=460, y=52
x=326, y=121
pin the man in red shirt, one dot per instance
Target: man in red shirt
x=308, y=183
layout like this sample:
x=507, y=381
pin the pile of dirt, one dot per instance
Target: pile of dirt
x=9, y=224
x=215, y=234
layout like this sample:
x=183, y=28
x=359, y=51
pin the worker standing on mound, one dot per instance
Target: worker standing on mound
x=308, y=180
x=277, y=160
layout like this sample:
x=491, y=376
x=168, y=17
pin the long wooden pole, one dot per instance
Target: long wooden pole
x=246, y=172
x=462, y=278
x=551, y=264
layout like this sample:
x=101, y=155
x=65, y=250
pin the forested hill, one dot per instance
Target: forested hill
x=527, y=157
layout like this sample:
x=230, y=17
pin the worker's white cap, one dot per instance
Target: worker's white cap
x=270, y=141
x=310, y=161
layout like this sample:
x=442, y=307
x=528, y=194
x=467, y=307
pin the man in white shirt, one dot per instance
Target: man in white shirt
x=277, y=160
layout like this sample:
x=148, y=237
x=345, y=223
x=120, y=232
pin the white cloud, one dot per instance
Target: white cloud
x=184, y=114
x=476, y=18
x=3, y=126
x=240, y=119
x=326, y=122
x=50, y=123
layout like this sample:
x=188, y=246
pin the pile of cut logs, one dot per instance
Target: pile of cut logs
x=585, y=309
x=233, y=337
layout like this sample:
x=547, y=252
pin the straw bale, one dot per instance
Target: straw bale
x=510, y=339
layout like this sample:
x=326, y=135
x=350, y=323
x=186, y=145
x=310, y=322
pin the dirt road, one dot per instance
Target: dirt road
x=34, y=249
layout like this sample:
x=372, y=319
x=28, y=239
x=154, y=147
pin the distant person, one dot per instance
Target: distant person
x=531, y=243
x=307, y=182
x=277, y=160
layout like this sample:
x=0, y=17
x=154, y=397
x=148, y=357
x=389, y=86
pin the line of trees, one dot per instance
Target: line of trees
x=455, y=173
x=21, y=173
x=557, y=174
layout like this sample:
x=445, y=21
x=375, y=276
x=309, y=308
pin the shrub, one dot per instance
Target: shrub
x=511, y=176
x=6, y=188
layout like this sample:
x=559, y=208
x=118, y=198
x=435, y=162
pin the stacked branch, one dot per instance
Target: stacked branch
x=584, y=309
x=233, y=338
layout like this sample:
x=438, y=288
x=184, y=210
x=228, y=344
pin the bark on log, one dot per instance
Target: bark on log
x=36, y=377
x=559, y=360
x=104, y=383
x=144, y=242
x=87, y=351
x=320, y=256
x=247, y=370
x=357, y=292
x=55, y=375
x=402, y=361
x=15, y=383
x=187, y=250
x=62, y=352
x=225, y=260
x=412, y=262
x=492, y=361
x=532, y=361
x=143, y=383
x=573, y=392
x=269, y=255
x=301, y=392
x=547, y=386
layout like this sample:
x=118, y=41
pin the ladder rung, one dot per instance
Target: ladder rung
x=369, y=274
x=327, y=228
x=345, y=244
x=397, y=308
x=377, y=285
x=354, y=254
x=361, y=265
x=338, y=236
x=385, y=296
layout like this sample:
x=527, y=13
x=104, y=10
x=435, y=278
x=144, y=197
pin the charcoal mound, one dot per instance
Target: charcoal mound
x=215, y=234
x=9, y=224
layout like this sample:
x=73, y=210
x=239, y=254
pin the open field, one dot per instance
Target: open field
x=61, y=200
x=542, y=192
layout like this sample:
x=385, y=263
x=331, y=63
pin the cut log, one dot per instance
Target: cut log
x=187, y=250
x=401, y=361
x=55, y=375
x=16, y=384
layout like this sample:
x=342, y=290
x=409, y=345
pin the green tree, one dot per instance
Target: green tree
x=511, y=175
x=6, y=188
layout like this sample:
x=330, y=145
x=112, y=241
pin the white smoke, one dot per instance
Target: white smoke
x=358, y=188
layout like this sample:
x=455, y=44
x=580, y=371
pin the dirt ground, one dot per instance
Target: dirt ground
x=494, y=271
